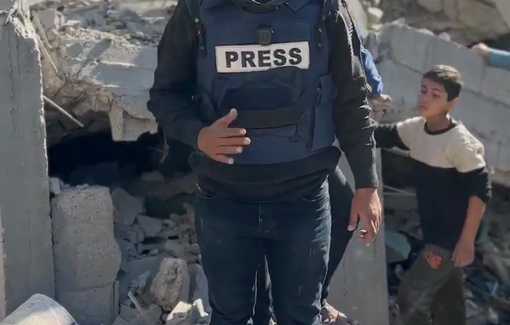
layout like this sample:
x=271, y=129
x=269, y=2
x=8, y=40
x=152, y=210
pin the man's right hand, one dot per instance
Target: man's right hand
x=218, y=140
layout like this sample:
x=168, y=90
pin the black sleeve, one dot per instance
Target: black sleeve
x=478, y=183
x=175, y=79
x=386, y=136
x=351, y=113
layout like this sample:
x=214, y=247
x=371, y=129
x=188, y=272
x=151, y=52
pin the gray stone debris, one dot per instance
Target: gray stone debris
x=171, y=284
x=127, y=207
x=151, y=226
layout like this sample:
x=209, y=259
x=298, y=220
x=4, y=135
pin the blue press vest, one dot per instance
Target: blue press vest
x=282, y=89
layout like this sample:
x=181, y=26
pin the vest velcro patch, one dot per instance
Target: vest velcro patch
x=251, y=58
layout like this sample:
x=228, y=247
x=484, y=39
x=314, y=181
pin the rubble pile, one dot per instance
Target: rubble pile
x=466, y=21
x=487, y=280
x=99, y=60
x=127, y=240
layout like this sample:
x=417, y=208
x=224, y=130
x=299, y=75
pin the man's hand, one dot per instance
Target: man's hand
x=367, y=208
x=464, y=253
x=218, y=140
x=481, y=49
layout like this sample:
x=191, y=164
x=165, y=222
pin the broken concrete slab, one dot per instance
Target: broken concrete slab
x=171, y=284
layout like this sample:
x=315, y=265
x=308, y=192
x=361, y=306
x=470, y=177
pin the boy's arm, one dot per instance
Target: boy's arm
x=386, y=136
x=175, y=79
x=398, y=135
x=468, y=159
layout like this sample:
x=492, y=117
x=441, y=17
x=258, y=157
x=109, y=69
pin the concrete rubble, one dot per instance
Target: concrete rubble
x=121, y=239
x=466, y=21
x=101, y=59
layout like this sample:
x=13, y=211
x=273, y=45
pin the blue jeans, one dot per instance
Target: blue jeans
x=235, y=237
x=341, y=196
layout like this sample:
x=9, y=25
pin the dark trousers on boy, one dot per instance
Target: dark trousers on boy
x=432, y=289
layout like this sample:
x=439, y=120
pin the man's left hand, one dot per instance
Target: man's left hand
x=366, y=207
x=464, y=253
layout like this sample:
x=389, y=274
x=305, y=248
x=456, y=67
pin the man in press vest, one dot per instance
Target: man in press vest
x=263, y=89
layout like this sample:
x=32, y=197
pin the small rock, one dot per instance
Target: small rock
x=171, y=284
x=374, y=15
x=151, y=226
x=128, y=248
x=154, y=252
x=54, y=184
x=139, y=284
x=193, y=249
x=127, y=313
x=127, y=206
x=153, y=313
x=175, y=248
x=397, y=246
x=431, y=5
x=134, y=234
x=180, y=315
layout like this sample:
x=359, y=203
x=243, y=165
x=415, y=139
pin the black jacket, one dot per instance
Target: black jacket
x=175, y=84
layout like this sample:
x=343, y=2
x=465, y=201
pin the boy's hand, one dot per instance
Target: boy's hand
x=382, y=99
x=464, y=253
x=218, y=140
x=366, y=207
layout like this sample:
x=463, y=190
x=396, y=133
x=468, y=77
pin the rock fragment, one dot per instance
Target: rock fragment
x=171, y=284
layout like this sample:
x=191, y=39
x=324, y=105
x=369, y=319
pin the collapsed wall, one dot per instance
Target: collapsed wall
x=466, y=21
x=101, y=58
x=484, y=106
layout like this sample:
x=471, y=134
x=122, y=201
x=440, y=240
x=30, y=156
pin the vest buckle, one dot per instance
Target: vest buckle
x=265, y=36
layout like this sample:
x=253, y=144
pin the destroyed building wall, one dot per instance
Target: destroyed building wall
x=484, y=104
x=26, y=261
x=100, y=59
x=466, y=21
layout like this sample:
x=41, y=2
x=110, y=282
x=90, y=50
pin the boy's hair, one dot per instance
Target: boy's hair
x=447, y=76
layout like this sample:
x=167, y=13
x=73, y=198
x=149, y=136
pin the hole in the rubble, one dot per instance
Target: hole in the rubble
x=491, y=265
x=152, y=214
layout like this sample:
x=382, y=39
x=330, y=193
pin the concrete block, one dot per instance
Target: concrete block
x=407, y=46
x=403, y=85
x=26, y=258
x=90, y=307
x=471, y=65
x=477, y=113
x=496, y=85
x=85, y=251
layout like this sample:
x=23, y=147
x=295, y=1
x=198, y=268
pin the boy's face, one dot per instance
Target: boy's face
x=433, y=99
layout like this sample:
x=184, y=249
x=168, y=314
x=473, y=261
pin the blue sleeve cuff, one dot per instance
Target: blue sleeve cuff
x=499, y=59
